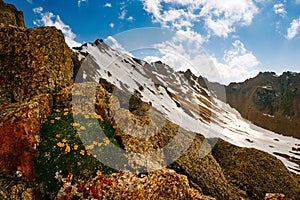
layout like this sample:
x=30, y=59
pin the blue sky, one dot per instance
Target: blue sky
x=240, y=37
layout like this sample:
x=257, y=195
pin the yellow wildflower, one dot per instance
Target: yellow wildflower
x=52, y=121
x=89, y=147
x=82, y=152
x=57, y=118
x=106, y=141
x=98, y=173
x=88, y=153
x=98, y=117
x=57, y=110
x=75, y=147
x=66, y=109
x=68, y=149
x=75, y=124
x=60, y=144
x=66, y=113
x=57, y=136
x=82, y=128
x=64, y=140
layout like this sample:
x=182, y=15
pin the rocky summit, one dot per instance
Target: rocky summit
x=9, y=15
x=64, y=112
x=269, y=101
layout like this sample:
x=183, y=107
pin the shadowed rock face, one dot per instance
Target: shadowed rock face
x=255, y=172
x=269, y=101
x=9, y=15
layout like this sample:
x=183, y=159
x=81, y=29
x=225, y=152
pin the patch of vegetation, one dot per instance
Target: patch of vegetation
x=62, y=150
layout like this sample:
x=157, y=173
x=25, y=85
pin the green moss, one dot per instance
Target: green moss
x=57, y=150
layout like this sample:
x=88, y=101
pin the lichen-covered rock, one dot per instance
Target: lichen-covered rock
x=33, y=61
x=162, y=184
x=19, y=129
x=9, y=15
x=203, y=170
x=275, y=196
x=254, y=171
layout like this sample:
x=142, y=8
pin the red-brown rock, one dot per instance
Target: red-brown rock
x=20, y=127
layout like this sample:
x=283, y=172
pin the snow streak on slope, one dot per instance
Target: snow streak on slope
x=184, y=101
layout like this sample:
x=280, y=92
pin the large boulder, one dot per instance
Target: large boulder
x=255, y=172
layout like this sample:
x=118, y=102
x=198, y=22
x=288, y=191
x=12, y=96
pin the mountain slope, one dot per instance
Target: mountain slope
x=183, y=101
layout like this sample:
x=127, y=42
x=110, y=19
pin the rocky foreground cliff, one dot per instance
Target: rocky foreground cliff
x=42, y=156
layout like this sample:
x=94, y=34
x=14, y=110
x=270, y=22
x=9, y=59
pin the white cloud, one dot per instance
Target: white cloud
x=297, y=1
x=49, y=19
x=184, y=51
x=111, y=25
x=29, y=1
x=130, y=18
x=238, y=63
x=123, y=14
x=279, y=9
x=38, y=10
x=108, y=5
x=79, y=2
x=293, y=30
x=219, y=17
x=240, y=56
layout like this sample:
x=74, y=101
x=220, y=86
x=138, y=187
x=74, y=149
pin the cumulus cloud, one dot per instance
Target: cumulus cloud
x=130, y=18
x=240, y=56
x=293, y=30
x=184, y=51
x=108, y=5
x=238, y=63
x=50, y=19
x=219, y=17
x=279, y=9
x=111, y=25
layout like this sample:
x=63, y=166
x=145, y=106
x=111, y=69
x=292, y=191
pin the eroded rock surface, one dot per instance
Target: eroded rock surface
x=9, y=15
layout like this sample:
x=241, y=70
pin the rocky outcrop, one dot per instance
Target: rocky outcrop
x=9, y=15
x=269, y=101
x=33, y=61
x=35, y=76
x=161, y=184
x=255, y=172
